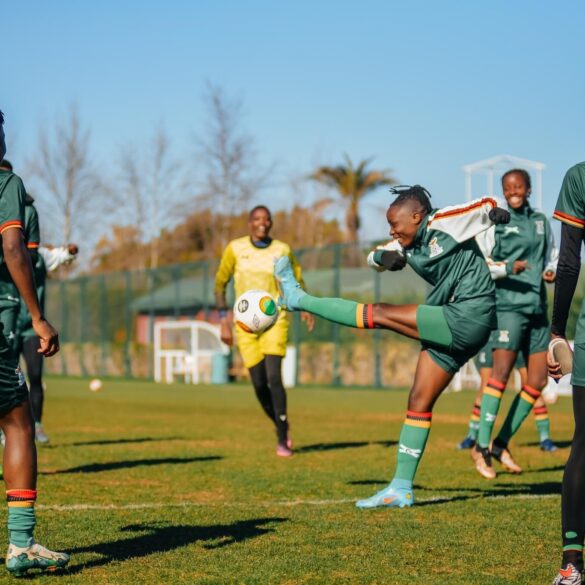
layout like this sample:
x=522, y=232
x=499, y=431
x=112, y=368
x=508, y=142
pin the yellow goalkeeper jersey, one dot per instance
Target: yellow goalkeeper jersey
x=252, y=267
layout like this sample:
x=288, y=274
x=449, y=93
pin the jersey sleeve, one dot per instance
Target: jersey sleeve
x=486, y=241
x=296, y=269
x=226, y=269
x=32, y=231
x=12, y=205
x=55, y=257
x=464, y=222
x=570, y=206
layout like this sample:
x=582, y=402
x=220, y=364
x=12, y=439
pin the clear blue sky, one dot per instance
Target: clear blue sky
x=424, y=87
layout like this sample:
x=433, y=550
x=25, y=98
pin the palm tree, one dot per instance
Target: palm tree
x=352, y=184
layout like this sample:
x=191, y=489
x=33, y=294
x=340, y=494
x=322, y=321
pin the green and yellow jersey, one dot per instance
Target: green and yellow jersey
x=12, y=196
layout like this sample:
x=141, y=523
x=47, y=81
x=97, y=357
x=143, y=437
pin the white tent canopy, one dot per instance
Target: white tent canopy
x=498, y=165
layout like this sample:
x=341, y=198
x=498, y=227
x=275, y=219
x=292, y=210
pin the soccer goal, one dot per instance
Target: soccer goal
x=185, y=350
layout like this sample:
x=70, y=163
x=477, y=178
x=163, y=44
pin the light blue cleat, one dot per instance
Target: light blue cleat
x=291, y=291
x=389, y=497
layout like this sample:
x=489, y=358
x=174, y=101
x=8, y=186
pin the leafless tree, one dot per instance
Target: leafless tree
x=151, y=186
x=64, y=175
x=228, y=156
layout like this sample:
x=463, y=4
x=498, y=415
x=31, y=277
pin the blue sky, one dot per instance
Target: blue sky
x=422, y=86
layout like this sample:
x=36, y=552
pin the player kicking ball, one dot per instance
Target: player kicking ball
x=452, y=326
x=20, y=456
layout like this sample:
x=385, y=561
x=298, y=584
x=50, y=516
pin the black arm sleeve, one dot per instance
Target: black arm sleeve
x=567, y=276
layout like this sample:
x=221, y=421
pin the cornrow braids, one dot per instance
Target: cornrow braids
x=414, y=193
x=523, y=173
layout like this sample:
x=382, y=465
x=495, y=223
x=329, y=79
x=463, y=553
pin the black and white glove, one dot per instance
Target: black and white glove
x=390, y=256
x=498, y=215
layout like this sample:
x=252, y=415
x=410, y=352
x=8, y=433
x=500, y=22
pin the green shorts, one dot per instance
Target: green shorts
x=13, y=389
x=450, y=336
x=526, y=334
x=578, y=376
x=485, y=358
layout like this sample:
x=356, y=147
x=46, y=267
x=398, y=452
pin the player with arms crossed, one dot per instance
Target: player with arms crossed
x=453, y=324
x=570, y=209
x=250, y=261
x=20, y=457
x=521, y=257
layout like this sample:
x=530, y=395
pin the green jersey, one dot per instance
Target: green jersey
x=570, y=209
x=528, y=237
x=12, y=194
x=446, y=255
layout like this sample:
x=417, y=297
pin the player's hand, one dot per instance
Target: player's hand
x=498, y=215
x=49, y=338
x=549, y=276
x=309, y=320
x=554, y=367
x=519, y=266
x=72, y=249
x=392, y=260
x=226, y=333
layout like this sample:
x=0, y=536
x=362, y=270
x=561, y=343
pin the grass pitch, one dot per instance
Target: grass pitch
x=174, y=484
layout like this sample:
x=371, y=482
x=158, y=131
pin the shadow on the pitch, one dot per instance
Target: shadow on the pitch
x=345, y=445
x=543, y=469
x=115, y=465
x=154, y=538
x=120, y=441
x=559, y=444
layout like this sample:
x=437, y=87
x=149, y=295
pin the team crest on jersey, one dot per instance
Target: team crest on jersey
x=511, y=229
x=434, y=248
x=539, y=223
x=504, y=336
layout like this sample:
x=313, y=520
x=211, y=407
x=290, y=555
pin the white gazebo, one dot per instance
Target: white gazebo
x=497, y=166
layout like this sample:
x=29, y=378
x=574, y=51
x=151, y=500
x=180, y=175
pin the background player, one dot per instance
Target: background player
x=570, y=209
x=452, y=326
x=20, y=458
x=521, y=257
x=250, y=261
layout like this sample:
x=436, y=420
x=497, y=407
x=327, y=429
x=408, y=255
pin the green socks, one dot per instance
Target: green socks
x=490, y=404
x=411, y=445
x=473, y=427
x=21, y=516
x=542, y=422
x=521, y=406
x=348, y=313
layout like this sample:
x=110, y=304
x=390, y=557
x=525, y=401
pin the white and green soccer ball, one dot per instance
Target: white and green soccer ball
x=255, y=311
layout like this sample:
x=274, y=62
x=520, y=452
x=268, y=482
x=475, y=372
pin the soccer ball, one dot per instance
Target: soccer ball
x=95, y=385
x=255, y=311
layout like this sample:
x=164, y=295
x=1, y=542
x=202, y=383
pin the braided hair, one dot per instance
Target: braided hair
x=414, y=193
x=524, y=174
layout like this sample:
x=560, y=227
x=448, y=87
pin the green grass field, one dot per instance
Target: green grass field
x=173, y=484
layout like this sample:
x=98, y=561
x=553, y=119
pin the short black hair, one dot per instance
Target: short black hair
x=523, y=173
x=414, y=193
x=260, y=207
x=5, y=164
x=1, y=117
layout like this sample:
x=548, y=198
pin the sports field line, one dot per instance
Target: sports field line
x=289, y=503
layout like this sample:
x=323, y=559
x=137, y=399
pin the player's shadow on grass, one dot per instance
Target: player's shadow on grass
x=115, y=465
x=342, y=445
x=120, y=441
x=154, y=538
x=559, y=444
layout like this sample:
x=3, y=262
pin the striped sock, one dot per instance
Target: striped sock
x=473, y=427
x=490, y=404
x=521, y=406
x=542, y=421
x=342, y=311
x=573, y=549
x=411, y=445
x=21, y=516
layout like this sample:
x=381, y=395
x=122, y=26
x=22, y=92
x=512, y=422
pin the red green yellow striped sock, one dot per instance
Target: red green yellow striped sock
x=521, y=406
x=21, y=515
x=342, y=311
x=411, y=445
x=542, y=421
x=490, y=405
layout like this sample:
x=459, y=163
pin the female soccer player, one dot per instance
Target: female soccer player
x=250, y=261
x=521, y=257
x=452, y=326
x=570, y=210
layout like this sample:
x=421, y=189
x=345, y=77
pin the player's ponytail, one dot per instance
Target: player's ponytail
x=415, y=193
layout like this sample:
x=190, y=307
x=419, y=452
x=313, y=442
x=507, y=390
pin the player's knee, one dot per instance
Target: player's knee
x=419, y=401
x=537, y=382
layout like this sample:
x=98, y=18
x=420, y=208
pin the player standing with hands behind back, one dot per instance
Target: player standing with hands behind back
x=250, y=261
x=20, y=456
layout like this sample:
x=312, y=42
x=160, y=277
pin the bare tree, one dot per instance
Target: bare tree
x=229, y=158
x=150, y=188
x=63, y=170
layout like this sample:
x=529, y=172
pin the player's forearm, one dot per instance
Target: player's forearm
x=20, y=267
